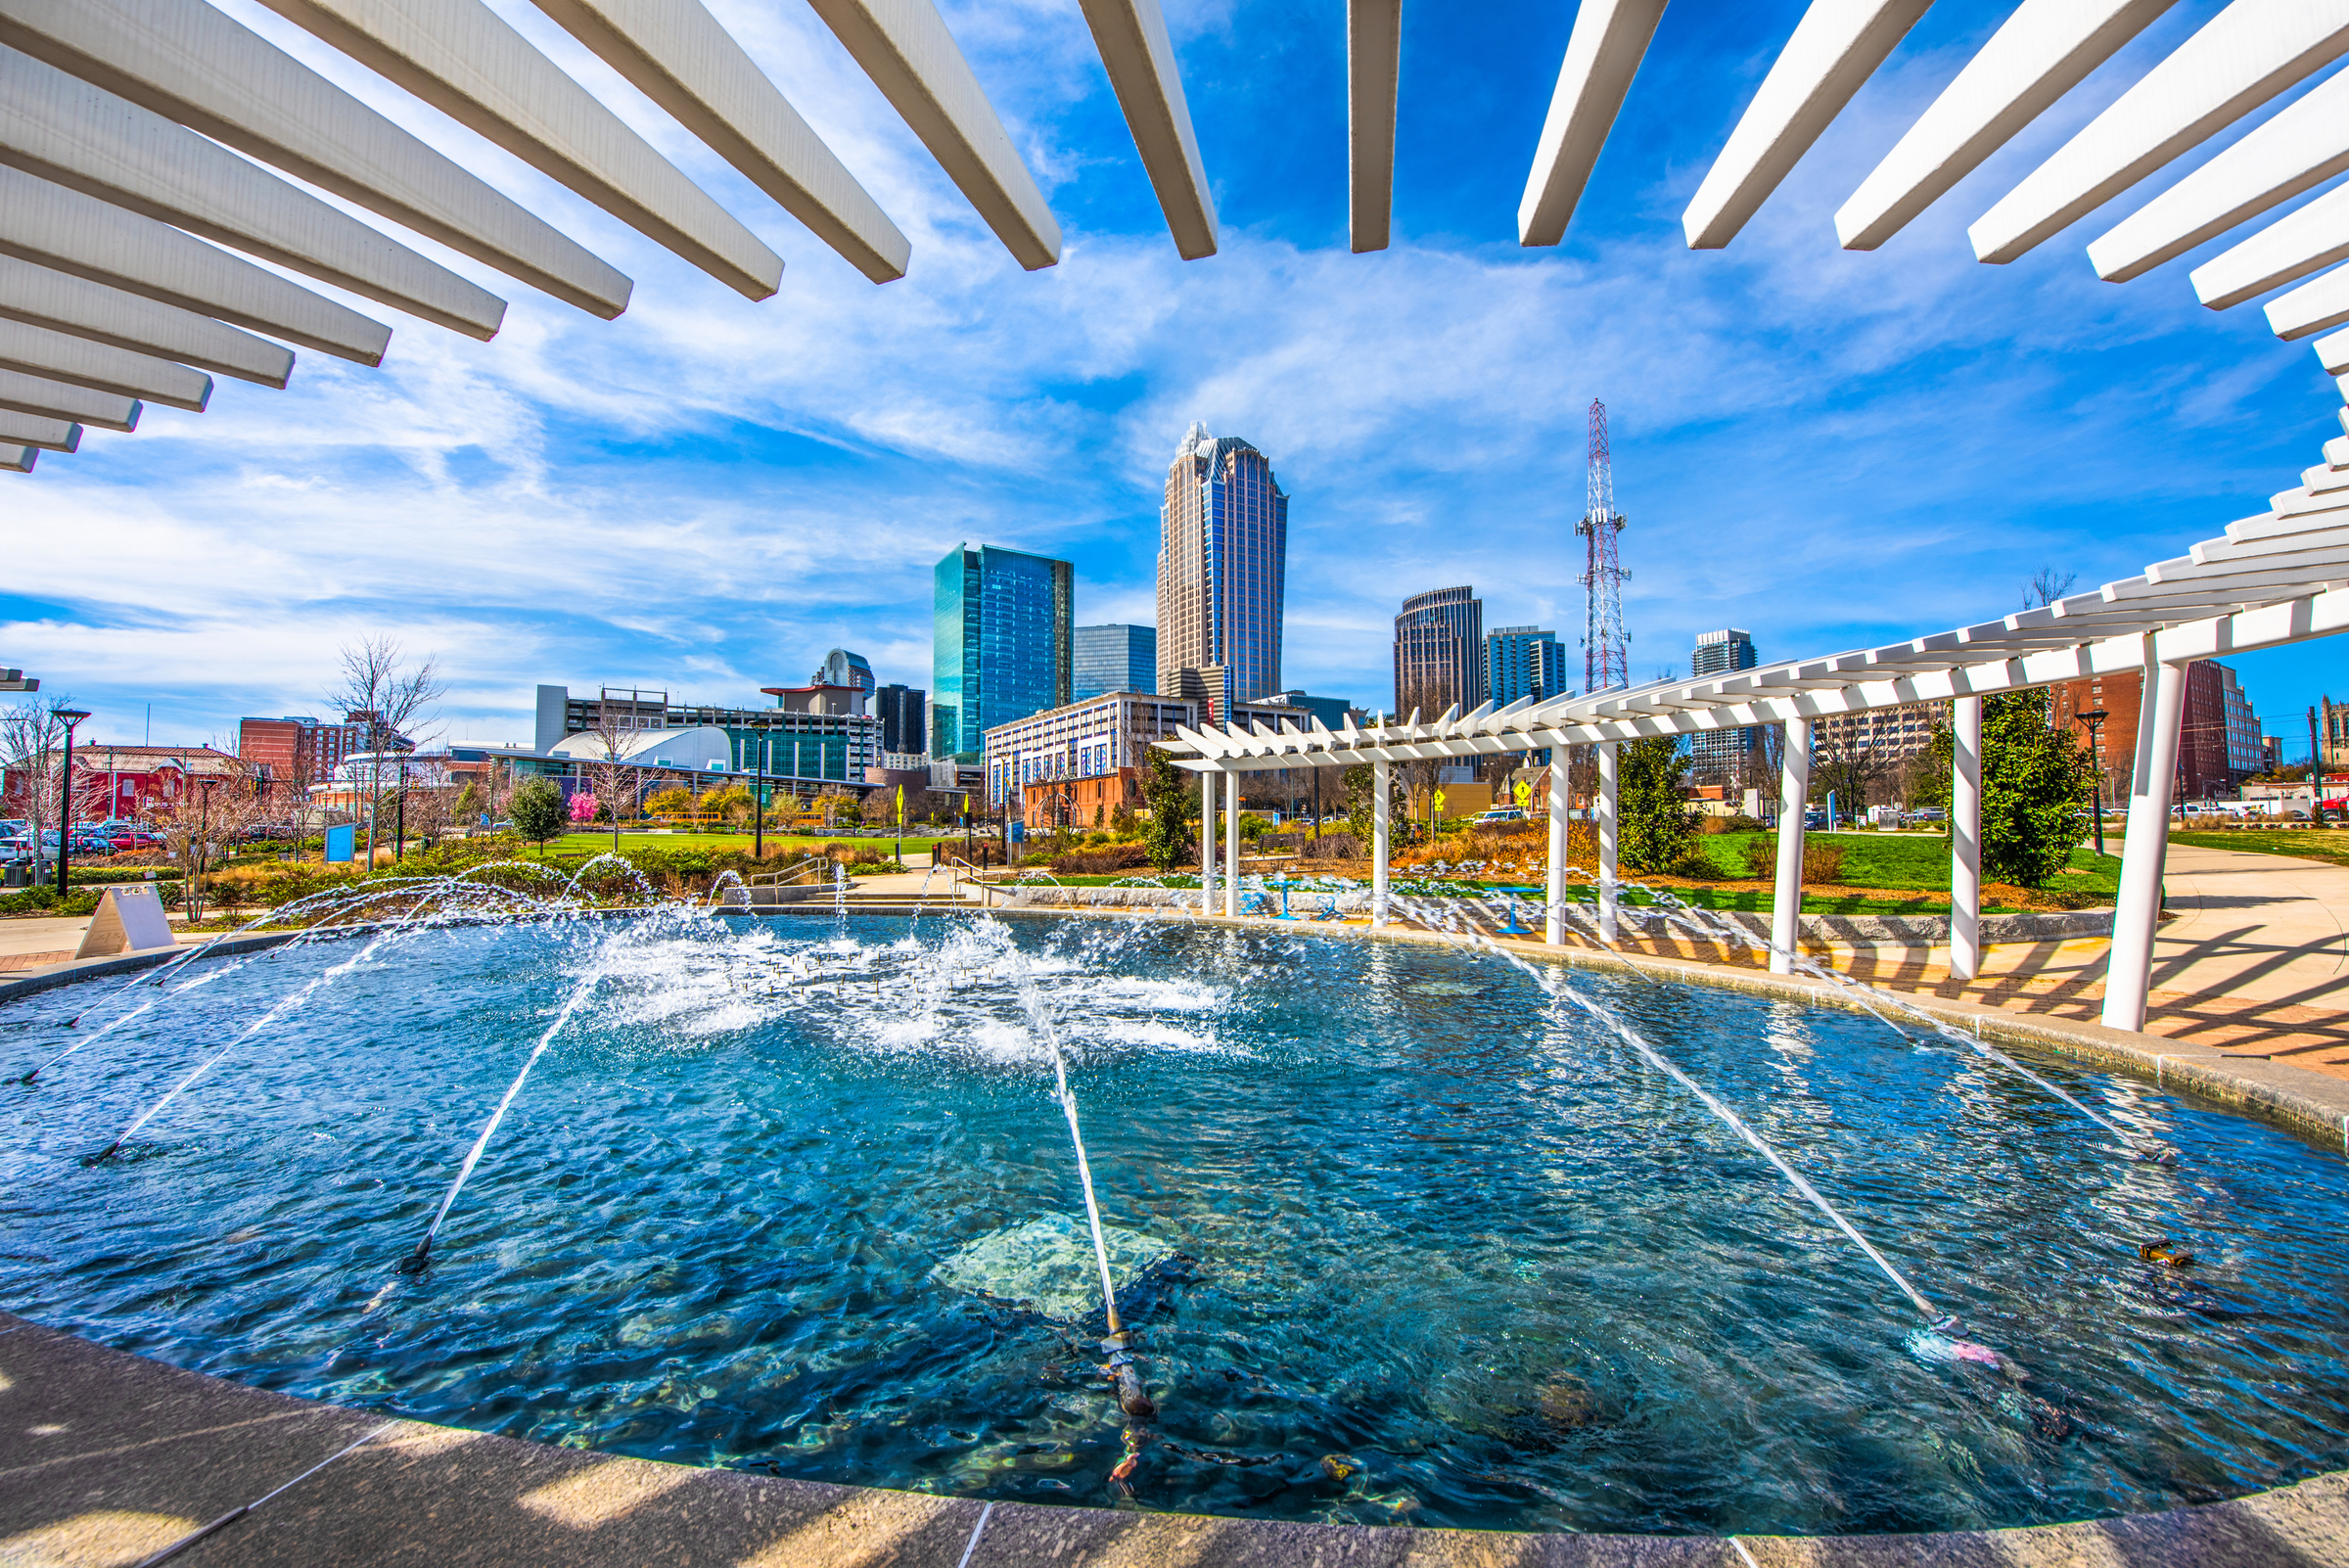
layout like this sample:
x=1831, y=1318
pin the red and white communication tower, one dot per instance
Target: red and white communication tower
x=1606, y=652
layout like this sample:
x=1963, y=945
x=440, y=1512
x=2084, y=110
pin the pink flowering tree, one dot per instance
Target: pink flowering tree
x=582, y=807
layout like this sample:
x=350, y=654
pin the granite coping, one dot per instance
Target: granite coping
x=108, y=1459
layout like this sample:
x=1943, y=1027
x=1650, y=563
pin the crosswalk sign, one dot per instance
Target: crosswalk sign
x=1438, y=800
x=1525, y=793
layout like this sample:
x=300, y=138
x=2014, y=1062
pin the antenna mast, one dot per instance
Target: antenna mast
x=1606, y=655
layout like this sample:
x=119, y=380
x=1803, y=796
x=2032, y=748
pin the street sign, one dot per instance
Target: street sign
x=1525, y=793
x=1438, y=800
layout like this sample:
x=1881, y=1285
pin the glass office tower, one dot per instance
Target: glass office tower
x=1003, y=637
x=1222, y=567
x=1440, y=651
x=1115, y=658
x=1722, y=756
x=1523, y=662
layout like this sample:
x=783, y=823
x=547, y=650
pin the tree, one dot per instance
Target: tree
x=468, y=806
x=1928, y=777
x=1844, y=764
x=2036, y=786
x=1656, y=829
x=389, y=697
x=1174, y=805
x=33, y=742
x=539, y=812
x=583, y=808
x=213, y=811
x=670, y=802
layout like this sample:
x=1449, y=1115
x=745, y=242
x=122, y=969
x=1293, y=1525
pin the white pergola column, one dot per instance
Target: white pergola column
x=1965, y=838
x=2129, y=969
x=1554, y=923
x=1382, y=806
x=1786, y=904
x=1608, y=791
x=1231, y=845
x=1207, y=842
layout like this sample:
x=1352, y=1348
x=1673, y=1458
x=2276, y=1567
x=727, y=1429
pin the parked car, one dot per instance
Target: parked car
x=136, y=838
x=1501, y=814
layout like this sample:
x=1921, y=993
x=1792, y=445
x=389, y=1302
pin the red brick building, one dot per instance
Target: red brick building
x=1083, y=803
x=298, y=752
x=2217, y=739
x=124, y=781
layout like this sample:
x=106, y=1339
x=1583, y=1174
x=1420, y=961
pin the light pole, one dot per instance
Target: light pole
x=2316, y=774
x=2096, y=744
x=64, y=804
x=758, y=808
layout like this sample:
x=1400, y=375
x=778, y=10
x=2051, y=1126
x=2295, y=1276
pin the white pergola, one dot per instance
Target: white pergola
x=2280, y=577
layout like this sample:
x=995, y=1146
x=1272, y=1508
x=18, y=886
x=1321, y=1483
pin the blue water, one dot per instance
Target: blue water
x=1426, y=1224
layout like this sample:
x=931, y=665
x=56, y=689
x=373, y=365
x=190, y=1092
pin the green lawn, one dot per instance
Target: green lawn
x=2309, y=844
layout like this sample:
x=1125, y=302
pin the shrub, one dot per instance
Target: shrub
x=2036, y=786
x=1821, y=863
x=1656, y=829
x=1332, y=847
x=1102, y=861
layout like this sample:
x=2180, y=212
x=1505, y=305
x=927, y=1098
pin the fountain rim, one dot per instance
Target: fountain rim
x=2317, y=1104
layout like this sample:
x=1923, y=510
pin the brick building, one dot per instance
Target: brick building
x=1084, y=804
x=2218, y=742
x=300, y=752
x=124, y=781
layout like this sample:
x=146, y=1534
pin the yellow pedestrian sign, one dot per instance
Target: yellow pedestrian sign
x=1525, y=793
x=1439, y=800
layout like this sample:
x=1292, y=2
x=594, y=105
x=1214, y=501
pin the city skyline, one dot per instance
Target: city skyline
x=674, y=495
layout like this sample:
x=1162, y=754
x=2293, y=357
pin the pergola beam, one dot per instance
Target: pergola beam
x=45, y=297
x=904, y=46
x=2040, y=53
x=1610, y=38
x=1131, y=38
x=70, y=132
x=55, y=227
x=1837, y=47
x=2241, y=58
x=462, y=59
x=44, y=398
x=31, y=430
x=188, y=61
x=38, y=352
x=677, y=55
x=1374, y=73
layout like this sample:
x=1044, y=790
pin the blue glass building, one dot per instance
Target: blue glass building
x=1004, y=639
x=1523, y=662
x=1722, y=756
x=1113, y=657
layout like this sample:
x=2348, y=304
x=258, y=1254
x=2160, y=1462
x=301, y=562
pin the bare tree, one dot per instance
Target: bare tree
x=212, y=811
x=2047, y=586
x=389, y=695
x=614, y=778
x=33, y=740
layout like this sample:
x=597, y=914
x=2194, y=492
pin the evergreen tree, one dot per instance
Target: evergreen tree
x=1168, y=839
x=538, y=811
x=1657, y=833
x=2037, y=782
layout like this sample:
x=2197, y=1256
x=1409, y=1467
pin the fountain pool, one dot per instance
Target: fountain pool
x=1403, y=1237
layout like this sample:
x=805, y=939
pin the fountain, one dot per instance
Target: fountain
x=1412, y=1236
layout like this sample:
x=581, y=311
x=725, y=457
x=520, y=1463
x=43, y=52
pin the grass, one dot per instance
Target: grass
x=2307, y=844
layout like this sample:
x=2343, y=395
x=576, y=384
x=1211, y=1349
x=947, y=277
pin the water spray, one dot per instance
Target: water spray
x=1122, y=1368
x=416, y=1260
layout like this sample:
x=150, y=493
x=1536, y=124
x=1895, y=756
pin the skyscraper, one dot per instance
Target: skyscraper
x=1222, y=567
x=1440, y=651
x=841, y=668
x=1523, y=662
x=1115, y=658
x=899, y=710
x=1719, y=755
x=1003, y=636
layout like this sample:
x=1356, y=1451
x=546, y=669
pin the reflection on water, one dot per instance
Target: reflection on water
x=1403, y=1240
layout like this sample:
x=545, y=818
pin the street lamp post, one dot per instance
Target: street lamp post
x=757, y=807
x=64, y=805
x=2096, y=742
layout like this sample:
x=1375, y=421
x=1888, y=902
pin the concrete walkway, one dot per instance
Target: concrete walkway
x=2254, y=961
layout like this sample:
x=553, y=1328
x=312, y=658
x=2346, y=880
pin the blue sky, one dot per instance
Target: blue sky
x=1828, y=448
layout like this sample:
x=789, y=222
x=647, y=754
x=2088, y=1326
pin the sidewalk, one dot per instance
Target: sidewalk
x=2255, y=962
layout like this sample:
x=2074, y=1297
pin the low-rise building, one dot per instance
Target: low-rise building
x=1091, y=739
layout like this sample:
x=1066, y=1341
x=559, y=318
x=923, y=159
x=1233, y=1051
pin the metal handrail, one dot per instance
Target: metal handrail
x=775, y=878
